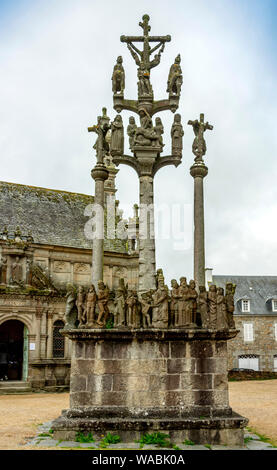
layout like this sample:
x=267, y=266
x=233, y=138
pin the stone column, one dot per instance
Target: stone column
x=147, y=257
x=50, y=334
x=198, y=171
x=99, y=174
x=38, y=334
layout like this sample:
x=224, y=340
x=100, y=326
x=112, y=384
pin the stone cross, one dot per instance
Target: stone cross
x=101, y=129
x=199, y=145
x=142, y=58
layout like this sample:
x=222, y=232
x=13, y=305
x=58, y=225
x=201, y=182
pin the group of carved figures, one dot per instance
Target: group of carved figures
x=145, y=135
x=174, y=82
x=14, y=273
x=182, y=307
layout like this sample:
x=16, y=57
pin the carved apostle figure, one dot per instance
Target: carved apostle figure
x=102, y=302
x=16, y=271
x=230, y=306
x=118, y=77
x=133, y=320
x=183, y=302
x=175, y=78
x=117, y=139
x=70, y=307
x=119, y=312
x=146, y=302
x=222, y=321
x=159, y=129
x=212, y=302
x=131, y=130
x=177, y=133
x=191, y=303
x=91, y=301
x=80, y=303
x=202, y=302
x=174, y=318
x=3, y=270
x=160, y=306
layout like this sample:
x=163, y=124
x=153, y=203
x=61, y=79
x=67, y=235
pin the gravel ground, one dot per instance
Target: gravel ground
x=20, y=415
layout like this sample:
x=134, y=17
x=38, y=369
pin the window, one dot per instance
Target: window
x=250, y=361
x=274, y=305
x=58, y=340
x=245, y=305
x=248, y=332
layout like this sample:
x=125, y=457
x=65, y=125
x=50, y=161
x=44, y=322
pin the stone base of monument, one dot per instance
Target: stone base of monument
x=132, y=382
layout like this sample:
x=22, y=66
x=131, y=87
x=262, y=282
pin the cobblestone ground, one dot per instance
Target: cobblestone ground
x=24, y=418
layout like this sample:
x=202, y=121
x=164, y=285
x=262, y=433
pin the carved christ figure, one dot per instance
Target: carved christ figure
x=199, y=147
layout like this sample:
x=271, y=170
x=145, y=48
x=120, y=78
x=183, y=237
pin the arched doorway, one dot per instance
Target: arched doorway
x=13, y=350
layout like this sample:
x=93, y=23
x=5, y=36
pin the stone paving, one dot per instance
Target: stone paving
x=43, y=440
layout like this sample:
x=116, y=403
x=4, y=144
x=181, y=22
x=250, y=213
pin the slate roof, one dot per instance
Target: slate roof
x=53, y=217
x=260, y=290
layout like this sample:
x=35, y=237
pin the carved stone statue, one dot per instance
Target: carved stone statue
x=202, y=302
x=16, y=271
x=101, y=129
x=3, y=270
x=117, y=139
x=212, y=302
x=222, y=321
x=182, y=302
x=102, y=302
x=71, y=313
x=144, y=85
x=175, y=78
x=133, y=320
x=91, y=301
x=146, y=135
x=81, y=308
x=230, y=306
x=191, y=303
x=146, y=302
x=174, y=303
x=119, y=312
x=118, y=77
x=177, y=133
x=199, y=147
x=160, y=305
x=159, y=129
x=131, y=130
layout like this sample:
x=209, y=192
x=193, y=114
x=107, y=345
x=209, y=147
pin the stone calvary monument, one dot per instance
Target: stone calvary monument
x=155, y=359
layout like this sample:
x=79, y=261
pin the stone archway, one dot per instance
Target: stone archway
x=13, y=350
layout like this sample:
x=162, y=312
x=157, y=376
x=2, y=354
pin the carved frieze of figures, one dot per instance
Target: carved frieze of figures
x=174, y=313
x=146, y=304
x=118, y=77
x=177, y=133
x=117, y=139
x=131, y=130
x=90, y=306
x=175, y=78
x=160, y=305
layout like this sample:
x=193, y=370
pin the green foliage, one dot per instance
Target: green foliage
x=247, y=439
x=208, y=446
x=109, y=324
x=109, y=439
x=187, y=442
x=81, y=437
x=156, y=438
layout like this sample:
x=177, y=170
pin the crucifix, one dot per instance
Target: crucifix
x=101, y=129
x=142, y=58
x=199, y=147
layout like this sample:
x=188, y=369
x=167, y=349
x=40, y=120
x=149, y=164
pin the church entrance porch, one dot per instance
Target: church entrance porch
x=13, y=351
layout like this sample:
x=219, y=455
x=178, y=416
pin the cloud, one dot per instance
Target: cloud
x=56, y=65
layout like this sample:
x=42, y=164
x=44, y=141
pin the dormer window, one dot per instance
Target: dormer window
x=245, y=305
x=274, y=305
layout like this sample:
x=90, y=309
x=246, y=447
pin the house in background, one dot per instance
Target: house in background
x=255, y=347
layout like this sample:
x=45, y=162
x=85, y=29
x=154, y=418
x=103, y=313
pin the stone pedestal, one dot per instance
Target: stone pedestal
x=136, y=381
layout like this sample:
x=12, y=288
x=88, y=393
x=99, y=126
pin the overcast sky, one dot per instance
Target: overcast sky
x=56, y=59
